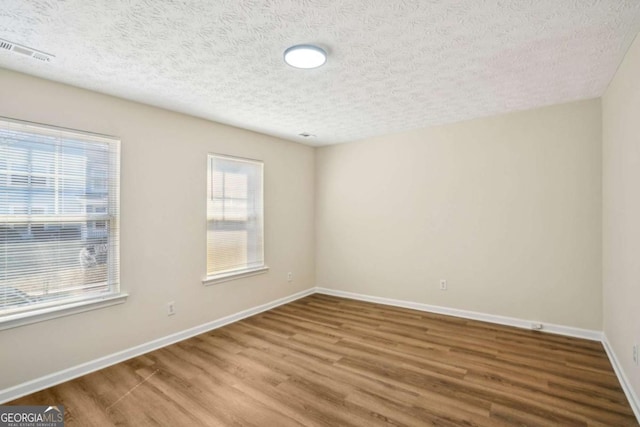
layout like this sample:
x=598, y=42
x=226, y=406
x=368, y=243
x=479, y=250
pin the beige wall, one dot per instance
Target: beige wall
x=621, y=212
x=507, y=209
x=163, y=225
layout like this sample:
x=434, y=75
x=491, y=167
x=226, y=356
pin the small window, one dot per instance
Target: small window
x=54, y=255
x=235, y=235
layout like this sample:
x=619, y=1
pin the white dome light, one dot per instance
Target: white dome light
x=305, y=56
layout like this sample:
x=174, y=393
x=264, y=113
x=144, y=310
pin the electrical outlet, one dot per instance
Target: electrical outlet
x=635, y=354
x=289, y=276
x=443, y=285
x=171, y=308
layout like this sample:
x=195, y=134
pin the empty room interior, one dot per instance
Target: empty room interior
x=320, y=213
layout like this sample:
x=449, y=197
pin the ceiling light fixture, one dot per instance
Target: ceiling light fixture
x=305, y=56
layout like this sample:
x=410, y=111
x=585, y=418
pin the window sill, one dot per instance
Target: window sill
x=47, y=313
x=225, y=277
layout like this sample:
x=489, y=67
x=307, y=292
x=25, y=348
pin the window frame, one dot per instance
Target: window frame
x=11, y=318
x=228, y=275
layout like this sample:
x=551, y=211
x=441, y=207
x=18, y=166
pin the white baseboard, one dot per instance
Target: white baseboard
x=103, y=362
x=624, y=381
x=55, y=378
x=501, y=320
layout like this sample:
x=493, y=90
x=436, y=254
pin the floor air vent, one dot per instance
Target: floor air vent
x=24, y=50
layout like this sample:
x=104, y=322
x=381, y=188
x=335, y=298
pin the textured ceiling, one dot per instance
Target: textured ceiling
x=393, y=65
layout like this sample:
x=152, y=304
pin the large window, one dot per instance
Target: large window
x=58, y=219
x=234, y=217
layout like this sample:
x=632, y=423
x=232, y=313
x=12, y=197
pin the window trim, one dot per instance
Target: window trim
x=70, y=306
x=233, y=275
x=228, y=275
x=61, y=310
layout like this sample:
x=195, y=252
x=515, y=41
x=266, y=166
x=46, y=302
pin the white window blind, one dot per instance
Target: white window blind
x=235, y=236
x=59, y=195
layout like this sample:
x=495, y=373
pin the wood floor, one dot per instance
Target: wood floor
x=327, y=361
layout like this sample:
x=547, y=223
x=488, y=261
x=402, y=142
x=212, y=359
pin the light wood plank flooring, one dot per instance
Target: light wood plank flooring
x=327, y=361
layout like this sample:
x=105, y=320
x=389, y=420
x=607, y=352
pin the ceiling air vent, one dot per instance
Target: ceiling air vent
x=5, y=45
x=27, y=51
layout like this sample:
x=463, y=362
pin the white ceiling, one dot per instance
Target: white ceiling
x=393, y=65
